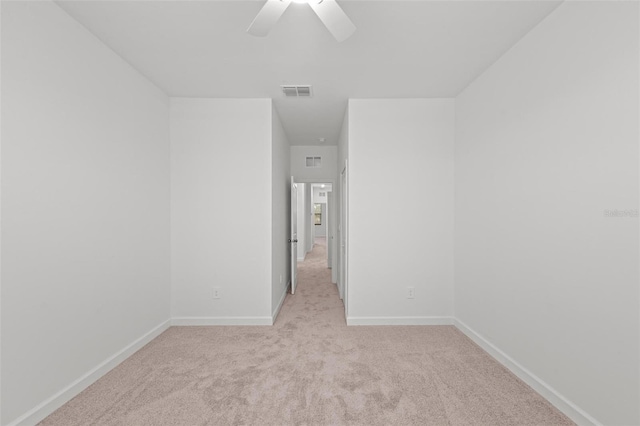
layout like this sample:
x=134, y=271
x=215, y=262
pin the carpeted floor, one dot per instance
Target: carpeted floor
x=309, y=369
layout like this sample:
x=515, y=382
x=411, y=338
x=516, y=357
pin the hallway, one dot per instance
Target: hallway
x=316, y=296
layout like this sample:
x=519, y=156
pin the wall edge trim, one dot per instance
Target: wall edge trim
x=51, y=404
x=206, y=321
x=276, y=311
x=559, y=401
x=400, y=320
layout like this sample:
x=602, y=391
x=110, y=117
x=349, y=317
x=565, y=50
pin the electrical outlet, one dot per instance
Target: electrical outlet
x=216, y=292
x=410, y=292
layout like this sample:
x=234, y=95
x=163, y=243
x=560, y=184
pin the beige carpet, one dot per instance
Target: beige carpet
x=309, y=368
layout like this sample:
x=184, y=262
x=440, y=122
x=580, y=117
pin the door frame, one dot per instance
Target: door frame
x=293, y=233
x=343, y=221
x=333, y=213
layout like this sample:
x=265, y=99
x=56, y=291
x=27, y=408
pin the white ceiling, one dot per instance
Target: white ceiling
x=401, y=49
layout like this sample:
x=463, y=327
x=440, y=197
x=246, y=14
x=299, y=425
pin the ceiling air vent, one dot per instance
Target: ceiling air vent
x=313, y=161
x=297, y=91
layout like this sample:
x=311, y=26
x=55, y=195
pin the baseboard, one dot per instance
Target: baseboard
x=47, y=407
x=276, y=311
x=399, y=321
x=554, y=397
x=50, y=405
x=197, y=321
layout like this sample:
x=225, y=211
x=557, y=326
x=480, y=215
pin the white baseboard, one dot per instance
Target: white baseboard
x=37, y=414
x=571, y=410
x=48, y=406
x=196, y=321
x=399, y=320
x=276, y=311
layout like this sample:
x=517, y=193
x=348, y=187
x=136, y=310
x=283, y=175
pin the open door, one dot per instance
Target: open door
x=294, y=235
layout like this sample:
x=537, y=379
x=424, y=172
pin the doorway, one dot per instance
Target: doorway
x=327, y=208
x=320, y=218
x=316, y=213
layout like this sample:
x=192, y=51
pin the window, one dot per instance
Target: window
x=317, y=213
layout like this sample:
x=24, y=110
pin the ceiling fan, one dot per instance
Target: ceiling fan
x=329, y=12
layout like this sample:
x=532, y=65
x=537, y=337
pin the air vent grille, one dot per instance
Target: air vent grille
x=313, y=161
x=297, y=91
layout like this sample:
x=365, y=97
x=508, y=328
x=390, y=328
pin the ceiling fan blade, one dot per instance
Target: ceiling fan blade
x=267, y=17
x=334, y=18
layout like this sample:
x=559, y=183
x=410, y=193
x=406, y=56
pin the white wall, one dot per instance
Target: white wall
x=340, y=207
x=221, y=208
x=343, y=145
x=309, y=234
x=280, y=214
x=311, y=231
x=317, y=189
x=401, y=152
x=547, y=140
x=85, y=207
x=302, y=221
